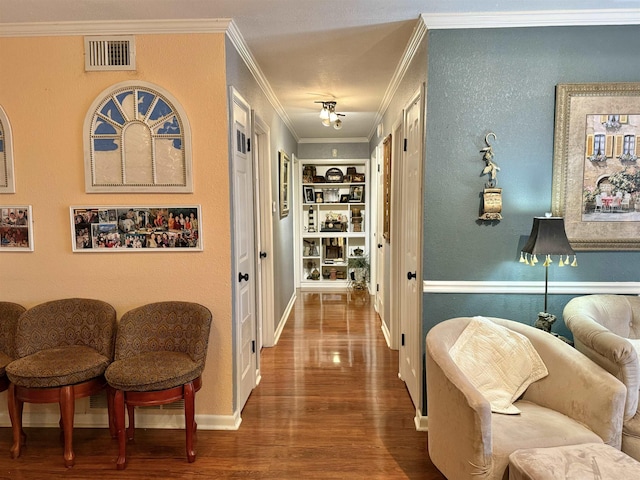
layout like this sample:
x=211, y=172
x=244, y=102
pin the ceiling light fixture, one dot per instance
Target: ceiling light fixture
x=328, y=115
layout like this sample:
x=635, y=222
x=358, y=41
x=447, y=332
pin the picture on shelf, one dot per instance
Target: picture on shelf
x=309, y=195
x=356, y=194
x=101, y=229
x=319, y=197
x=344, y=198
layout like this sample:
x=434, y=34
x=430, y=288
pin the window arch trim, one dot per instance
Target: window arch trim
x=108, y=167
x=7, y=179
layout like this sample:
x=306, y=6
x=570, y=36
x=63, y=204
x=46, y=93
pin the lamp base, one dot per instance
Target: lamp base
x=545, y=321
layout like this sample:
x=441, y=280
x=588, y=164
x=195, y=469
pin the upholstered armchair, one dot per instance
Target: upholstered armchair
x=63, y=348
x=160, y=355
x=467, y=440
x=605, y=328
x=9, y=313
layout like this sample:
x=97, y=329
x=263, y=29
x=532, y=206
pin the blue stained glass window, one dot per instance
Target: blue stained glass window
x=160, y=110
x=111, y=111
x=144, y=101
x=104, y=128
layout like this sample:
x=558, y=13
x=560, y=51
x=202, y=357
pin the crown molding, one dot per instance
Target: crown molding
x=335, y=140
x=546, y=18
x=236, y=38
x=120, y=27
x=417, y=36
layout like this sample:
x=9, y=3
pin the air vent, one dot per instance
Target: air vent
x=109, y=53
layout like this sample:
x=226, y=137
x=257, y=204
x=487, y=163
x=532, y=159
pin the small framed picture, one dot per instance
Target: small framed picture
x=356, y=194
x=319, y=196
x=309, y=195
x=344, y=198
x=16, y=228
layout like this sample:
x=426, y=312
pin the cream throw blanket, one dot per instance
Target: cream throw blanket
x=499, y=362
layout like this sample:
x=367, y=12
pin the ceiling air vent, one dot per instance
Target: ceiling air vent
x=110, y=53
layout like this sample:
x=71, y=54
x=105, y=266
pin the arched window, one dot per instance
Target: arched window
x=7, y=184
x=137, y=139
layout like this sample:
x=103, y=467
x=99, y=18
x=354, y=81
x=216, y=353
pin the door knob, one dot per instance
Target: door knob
x=379, y=245
x=244, y=277
x=411, y=275
x=263, y=254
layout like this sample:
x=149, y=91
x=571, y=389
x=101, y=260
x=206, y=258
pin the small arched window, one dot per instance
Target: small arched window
x=7, y=184
x=137, y=139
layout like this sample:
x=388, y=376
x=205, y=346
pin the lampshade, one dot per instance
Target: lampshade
x=548, y=237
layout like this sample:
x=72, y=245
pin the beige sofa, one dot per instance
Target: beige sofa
x=467, y=441
x=604, y=327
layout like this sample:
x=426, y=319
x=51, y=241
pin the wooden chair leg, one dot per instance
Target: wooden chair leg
x=118, y=407
x=189, y=420
x=67, y=409
x=113, y=429
x=15, y=407
x=131, y=413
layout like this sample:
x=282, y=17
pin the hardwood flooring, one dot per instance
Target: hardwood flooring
x=330, y=406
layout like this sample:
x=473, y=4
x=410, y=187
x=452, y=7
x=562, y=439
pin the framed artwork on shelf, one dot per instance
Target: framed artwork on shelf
x=136, y=228
x=356, y=194
x=285, y=181
x=596, y=173
x=309, y=195
x=16, y=228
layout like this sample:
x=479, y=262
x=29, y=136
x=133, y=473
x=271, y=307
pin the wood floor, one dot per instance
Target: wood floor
x=329, y=406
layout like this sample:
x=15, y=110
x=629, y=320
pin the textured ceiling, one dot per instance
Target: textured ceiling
x=308, y=50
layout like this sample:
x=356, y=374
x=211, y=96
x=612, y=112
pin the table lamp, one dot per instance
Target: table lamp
x=548, y=238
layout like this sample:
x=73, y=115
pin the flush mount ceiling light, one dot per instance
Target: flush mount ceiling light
x=329, y=116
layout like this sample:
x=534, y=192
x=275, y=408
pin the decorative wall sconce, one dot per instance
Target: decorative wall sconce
x=329, y=116
x=491, y=196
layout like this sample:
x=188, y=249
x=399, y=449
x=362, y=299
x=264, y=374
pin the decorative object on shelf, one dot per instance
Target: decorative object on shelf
x=319, y=179
x=16, y=228
x=331, y=195
x=319, y=196
x=359, y=268
x=285, y=181
x=357, y=177
x=310, y=248
x=491, y=195
x=356, y=194
x=333, y=222
x=356, y=219
x=329, y=116
x=351, y=170
x=334, y=175
x=312, y=220
x=309, y=194
x=344, y=198
x=547, y=238
x=314, y=273
x=309, y=171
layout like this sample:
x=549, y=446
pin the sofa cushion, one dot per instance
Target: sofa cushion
x=150, y=371
x=56, y=367
x=501, y=378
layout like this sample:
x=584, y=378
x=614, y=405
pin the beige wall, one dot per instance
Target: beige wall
x=46, y=93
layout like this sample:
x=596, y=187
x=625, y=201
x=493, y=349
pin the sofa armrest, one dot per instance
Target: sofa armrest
x=577, y=387
x=612, y=352
x=459, y=417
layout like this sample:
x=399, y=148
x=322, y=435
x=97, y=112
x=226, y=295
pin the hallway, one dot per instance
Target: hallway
x=330, y=406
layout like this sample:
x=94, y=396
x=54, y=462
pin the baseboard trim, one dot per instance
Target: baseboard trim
x=421, y=421
x=284, y=318
x=386, y=333
x=98, y=419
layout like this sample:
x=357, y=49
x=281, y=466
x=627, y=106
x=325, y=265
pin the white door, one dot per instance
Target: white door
x=244, y=251
x=379, y=240
x=411, y=241
x=262, y=165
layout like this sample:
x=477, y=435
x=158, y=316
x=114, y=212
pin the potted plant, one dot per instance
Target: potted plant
x=359, y=270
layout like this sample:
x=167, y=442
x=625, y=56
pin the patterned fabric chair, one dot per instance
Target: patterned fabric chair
x=9, y=313
x=160, y=354
x=63, y=348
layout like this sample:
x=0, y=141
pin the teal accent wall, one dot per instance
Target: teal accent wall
x=503, y=81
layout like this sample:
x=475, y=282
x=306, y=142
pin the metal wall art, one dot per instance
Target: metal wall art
x=492, y=195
